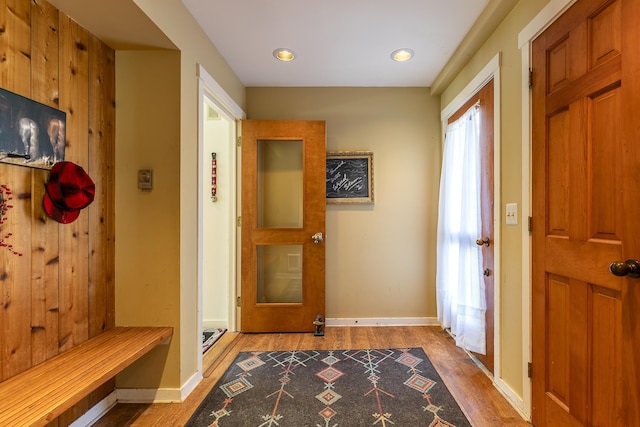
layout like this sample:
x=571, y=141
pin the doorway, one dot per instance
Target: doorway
x=490, y=73
x=283, y=225
x=217, y=210
x=482, y=103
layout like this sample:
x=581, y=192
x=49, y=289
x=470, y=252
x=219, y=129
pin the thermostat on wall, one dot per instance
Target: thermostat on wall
x=145, y=179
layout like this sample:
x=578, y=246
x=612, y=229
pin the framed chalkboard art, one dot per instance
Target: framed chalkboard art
x=349, y=177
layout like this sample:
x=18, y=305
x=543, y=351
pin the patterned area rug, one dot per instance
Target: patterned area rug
x=338, y=388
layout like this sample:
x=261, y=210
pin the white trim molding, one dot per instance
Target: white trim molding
x=136, y=395
x=214, y=323
x=149, y=395
x=96, y=412
x=208, y=88
x=222, y=98
x=490, y=71
x=158, y=395
x=487, y=72
x=550, y=13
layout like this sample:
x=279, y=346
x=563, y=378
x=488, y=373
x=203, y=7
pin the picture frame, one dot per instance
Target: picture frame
x=32, y=134
x=349, y=177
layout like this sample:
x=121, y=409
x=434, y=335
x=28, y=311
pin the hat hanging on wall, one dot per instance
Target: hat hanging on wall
x=69, y=190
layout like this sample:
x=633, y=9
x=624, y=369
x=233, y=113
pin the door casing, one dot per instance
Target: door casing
x=208, y=87
x=484, y=96
x=490, y=71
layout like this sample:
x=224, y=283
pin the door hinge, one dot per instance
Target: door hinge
x=529, y=370
x=239, y=221
x=530, y=78
x=238, y=141
x=530, y=224
x=237, y=301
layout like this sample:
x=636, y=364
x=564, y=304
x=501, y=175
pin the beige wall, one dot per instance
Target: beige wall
x=505, y=40
x=380, y=258
x=172, y=17
x=148, y=225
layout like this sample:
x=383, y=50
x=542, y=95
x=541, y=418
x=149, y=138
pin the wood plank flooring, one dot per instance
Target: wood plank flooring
x=478, y=398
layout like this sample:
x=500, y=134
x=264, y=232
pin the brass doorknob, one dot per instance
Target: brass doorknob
x=483, y=241
x=630, y=268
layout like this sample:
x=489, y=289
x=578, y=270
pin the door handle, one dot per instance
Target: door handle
x=483, y=241
x=630, y=268
x=317, y=238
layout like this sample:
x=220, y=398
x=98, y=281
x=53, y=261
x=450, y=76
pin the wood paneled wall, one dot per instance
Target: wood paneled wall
x=60, y=292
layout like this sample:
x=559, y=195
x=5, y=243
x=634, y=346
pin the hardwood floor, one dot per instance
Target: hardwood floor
x=478, y=398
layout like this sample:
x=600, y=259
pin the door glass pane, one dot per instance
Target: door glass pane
x=279, y=274
x=279, y=184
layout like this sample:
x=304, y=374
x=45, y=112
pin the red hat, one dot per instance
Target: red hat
x=69, y=190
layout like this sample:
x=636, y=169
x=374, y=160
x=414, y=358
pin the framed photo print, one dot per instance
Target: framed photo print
x=31, y=134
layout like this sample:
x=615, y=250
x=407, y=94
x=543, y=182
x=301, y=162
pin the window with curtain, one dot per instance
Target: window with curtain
x=459, y=284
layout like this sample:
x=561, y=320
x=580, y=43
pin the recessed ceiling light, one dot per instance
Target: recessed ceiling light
x=401, y=55
x=284, y=54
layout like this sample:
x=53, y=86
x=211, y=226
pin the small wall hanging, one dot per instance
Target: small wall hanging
x=214, y=178
x=5, y=204
x=31, y=134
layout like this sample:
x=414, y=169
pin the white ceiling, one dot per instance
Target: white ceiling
x=338, y=42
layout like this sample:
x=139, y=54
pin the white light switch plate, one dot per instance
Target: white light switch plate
x=512, y=214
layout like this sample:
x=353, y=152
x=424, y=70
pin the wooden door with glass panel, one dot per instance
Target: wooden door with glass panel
x=283, y=225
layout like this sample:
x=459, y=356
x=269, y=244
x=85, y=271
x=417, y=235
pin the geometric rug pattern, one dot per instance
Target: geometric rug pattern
x=330, y=388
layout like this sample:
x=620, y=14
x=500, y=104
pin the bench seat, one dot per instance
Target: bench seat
x=42, y=393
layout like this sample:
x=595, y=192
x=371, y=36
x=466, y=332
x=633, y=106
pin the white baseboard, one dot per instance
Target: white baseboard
x=215, y=323
x=516, y=401
x=190, y=385
x=159, y=395
x=385, y=321
x=127, y=395
x=96, y=412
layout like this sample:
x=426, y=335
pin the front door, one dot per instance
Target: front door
x=283, y=225
x=586, y=171
x=484, y=100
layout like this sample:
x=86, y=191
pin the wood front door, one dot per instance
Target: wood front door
x=484, y=99
x=283, y=225
x=586, y=168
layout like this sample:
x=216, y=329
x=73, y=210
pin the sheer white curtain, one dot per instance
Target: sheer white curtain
x=459, y=281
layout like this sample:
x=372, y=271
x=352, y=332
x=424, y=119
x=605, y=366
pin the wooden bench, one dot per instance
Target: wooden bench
x=43, y=392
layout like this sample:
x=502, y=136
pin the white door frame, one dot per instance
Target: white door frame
x=552, y=11
x=490, y=71
x=209, y=88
